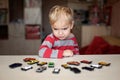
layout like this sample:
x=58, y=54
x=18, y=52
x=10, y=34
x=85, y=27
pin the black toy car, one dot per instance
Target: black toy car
x=75, y=70
x=14, y=65
x=88, y=68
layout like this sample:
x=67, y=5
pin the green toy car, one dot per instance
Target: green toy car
x=51, y=64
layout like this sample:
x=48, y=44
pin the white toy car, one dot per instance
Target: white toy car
x=26, y=68
x=41, y=69
x=56, y=70
x=96, y=66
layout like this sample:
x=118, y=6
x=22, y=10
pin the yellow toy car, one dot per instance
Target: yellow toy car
x=65, y=66
x=32, y=62
x=41, y=63
x=104, y=63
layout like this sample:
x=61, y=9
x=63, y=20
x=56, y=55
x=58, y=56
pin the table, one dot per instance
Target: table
x=106, y=73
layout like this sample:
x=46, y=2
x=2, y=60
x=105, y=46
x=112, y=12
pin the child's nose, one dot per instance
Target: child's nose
x=60, y=32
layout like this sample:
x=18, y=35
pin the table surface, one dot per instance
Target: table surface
x=111, y=72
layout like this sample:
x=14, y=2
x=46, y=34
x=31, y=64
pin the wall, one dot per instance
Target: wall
x=88, y=32
x=116, y=19
x=17, y=44
x=77, y=27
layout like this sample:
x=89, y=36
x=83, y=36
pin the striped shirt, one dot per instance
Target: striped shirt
x=53, y=47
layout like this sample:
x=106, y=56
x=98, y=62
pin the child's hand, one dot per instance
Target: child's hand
x=67, y=53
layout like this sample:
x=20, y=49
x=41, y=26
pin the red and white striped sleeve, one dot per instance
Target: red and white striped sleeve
x=46, y=50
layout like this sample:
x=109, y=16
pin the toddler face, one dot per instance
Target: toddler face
x=62, y=28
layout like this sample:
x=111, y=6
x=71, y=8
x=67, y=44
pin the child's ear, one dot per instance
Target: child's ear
x=72, y=24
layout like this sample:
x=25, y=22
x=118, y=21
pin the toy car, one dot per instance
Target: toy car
x=41, y=63
x=96, y=66
x=56, y=70
x=26, y=68
x=41, y=69
x=65, y=66
x=86, y=61
x=88, y=68
x=75, y=70
x=14, y=65
x=73, y=63
x=104, y=63
x=51, y=64
x=28, y=59
x=32, y=62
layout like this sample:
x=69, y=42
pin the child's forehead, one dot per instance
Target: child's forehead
x=61, y=21
x=61, y=24
x=63, y=18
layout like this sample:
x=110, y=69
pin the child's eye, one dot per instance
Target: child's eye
x=55, y=29
x=65, y=28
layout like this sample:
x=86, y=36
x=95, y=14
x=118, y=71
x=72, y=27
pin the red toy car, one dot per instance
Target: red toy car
x=28, y=59
x=73, y=63
x=86, y=61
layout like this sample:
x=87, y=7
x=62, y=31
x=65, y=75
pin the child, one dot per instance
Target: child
x=60, y=43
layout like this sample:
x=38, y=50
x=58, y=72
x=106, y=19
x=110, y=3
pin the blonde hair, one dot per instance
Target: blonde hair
x=56, y=12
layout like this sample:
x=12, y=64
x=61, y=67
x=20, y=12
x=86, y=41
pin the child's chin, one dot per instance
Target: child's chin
x=61, y=38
